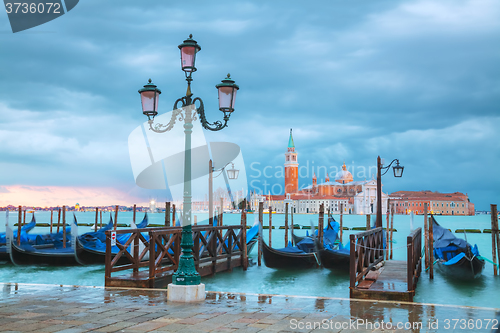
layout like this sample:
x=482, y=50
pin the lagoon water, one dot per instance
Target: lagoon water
x=482, y=292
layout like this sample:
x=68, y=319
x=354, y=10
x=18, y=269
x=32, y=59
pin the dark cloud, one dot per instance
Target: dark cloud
x=416, y=80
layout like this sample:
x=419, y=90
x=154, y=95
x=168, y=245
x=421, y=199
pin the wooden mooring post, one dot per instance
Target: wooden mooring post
x=368, y=222
x=270, y=225
x=100, y=217
x=495, y=238
x=341, y=224
x=210, y=194
x=244, y=231
x=64, y=225
x=134, y=213
x=431, y=250
x=116, y=217
x=219, y=219
x=426, y=237
x=321, y=222
x=221, y=211
x=387, y=231
x=167, y=214
x=51, y=218
x=24, y=217
x=392, y=231
x=286, y=224
x=19, y=220
x=261, y=212
x=96, y=219
x=173, y=216
x=58, y=218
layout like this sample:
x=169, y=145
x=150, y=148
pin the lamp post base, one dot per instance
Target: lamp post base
x=186, y=294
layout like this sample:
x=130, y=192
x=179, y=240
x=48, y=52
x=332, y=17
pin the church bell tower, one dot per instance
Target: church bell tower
x=291, y=168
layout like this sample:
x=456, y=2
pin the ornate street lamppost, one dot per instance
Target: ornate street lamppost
x=398, y=172
x=231, y=174
x=185, y=110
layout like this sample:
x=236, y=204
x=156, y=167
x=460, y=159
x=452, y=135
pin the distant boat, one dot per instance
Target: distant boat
x=456, y=258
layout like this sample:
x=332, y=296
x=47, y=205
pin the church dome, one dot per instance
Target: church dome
x=343, y=176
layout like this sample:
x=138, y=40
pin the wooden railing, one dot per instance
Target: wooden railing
x=367, y=250
x=414, y=259
x=157, y=251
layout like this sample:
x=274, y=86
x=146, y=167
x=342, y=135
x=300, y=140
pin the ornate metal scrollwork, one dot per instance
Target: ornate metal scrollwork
x=387, y=167
x=216, y=125
x=199, y=111
x=160, y=128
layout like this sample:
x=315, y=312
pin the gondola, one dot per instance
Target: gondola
x=333, y=255
x=293, y=257
x=335, y=259
x=252, y=237
x=47, y=250
x=456, y=258
x=303, y=254
x=296, y=239
x=90, y=248
x=4, y=255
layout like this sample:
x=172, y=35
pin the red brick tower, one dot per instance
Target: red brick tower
x=291, y=168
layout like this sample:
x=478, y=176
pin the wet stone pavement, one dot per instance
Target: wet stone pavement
x=73, y=309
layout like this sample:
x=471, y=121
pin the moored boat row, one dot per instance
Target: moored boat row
x=74, y=249
x=456, y=258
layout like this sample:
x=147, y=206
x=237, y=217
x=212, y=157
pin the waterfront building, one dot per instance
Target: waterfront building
x=356, y=197
x=457, y=203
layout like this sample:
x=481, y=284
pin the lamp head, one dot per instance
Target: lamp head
x=227, y=94
x=150, y=95
x=398, y=169
x=189, y=48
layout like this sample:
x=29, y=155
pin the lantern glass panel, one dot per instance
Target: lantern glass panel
x=232, y=173
x=188, y=54
x=227, y=96
x=398, y=171
x=149, y=104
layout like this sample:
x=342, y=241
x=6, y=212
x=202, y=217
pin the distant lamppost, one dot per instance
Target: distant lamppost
x=186, y=273
x=231, y=174
x=398, y=172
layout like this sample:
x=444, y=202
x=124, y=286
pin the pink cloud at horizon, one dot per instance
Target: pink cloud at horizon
x=49, y=196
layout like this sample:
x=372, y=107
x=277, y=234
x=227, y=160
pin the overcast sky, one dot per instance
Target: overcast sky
x=413, y=80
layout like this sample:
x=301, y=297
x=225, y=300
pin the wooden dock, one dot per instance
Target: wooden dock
x=387, y=283
x=372, y=278
x=153, y=260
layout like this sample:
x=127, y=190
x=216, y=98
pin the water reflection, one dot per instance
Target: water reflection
x=409, y=316
x=319, y=304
